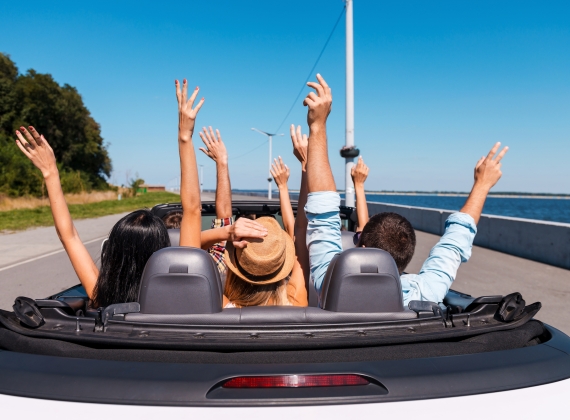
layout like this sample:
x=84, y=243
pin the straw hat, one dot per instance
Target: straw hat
x=263, y=261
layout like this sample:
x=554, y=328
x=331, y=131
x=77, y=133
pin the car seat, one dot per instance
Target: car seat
x=180, y=280
x=362, y=280
x=174, y=235
x=347, y=238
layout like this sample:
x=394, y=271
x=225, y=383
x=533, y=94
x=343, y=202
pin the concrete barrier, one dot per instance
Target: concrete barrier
x=546, y=242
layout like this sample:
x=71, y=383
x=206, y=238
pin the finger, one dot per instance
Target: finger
x=219, y=136
x=36, y=135
x=299, y=137
x=287, y=171
x=29, y=137
x=206, y=152
x=479, y=162
x=281, y=162
x=199, y=105
x=308, y=102
x=44, y=141
x=502, y=153
x=317, y=87
x=494, y=150
x=22, y=139
x=204, y=139
x=313, y=97
x=193, y=96
x=178, y=92
x=214, y=140
x=184, y=92
x=23, y=149
x=292, y=133
x=323, y=82
x=206, y=135
x=254, y=225
x=352, y=170
x=305, y=138
x=254, y=234
x=240, y=244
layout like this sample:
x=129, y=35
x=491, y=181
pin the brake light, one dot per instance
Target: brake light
x=295, y=381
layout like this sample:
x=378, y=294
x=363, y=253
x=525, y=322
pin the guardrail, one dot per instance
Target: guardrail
x=546, y=242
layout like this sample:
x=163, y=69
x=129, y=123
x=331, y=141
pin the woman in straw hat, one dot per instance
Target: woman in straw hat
x=264, y=271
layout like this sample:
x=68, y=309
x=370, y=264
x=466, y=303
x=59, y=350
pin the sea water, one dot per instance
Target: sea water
x=549, y=209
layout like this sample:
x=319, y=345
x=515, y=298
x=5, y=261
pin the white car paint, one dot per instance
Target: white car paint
x=539, y=402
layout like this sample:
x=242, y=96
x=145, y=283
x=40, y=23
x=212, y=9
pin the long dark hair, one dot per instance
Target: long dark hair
x=131, y=242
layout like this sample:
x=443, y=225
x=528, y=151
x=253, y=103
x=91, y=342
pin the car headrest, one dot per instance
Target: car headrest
x=180, y=280
x=347, y=238
x=362, y=280
x=174, y=235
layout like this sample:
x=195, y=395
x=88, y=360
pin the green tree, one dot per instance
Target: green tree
x=57, y=112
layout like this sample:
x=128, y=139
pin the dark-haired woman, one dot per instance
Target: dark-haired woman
x=131, y=242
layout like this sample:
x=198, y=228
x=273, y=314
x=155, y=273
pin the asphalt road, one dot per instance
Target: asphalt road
x=44, y=270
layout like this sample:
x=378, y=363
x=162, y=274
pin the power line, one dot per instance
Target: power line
x=247, y=153
x=313, y=68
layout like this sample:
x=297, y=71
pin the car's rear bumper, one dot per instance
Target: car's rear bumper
x=534, y=402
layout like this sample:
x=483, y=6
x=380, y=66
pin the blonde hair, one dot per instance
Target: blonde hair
x=242, y=293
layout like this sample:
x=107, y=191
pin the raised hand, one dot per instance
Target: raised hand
x=488, y=169
x=215, y=147
x=359, y=172
x=319, y=103
x=186, y=114
x=300, y=145
x=280, y=172
x=37, y=149
x=244, y=229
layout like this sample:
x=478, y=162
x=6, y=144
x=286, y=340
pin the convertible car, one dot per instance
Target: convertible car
x=176, y=351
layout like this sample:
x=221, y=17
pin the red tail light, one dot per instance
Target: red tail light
x=294, y=381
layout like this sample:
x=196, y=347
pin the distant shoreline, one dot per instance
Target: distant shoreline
x=543, y=196
x=462, y=194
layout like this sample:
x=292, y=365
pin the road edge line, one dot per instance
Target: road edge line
x=49, y=254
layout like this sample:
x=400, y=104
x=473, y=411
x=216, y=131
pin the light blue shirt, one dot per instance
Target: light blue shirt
x=438, y=272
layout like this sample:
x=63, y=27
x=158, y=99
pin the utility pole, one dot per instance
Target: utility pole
x=349, y=133
x=269, y=179
x=201, y=177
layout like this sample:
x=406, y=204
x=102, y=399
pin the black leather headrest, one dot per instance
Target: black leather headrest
x=174, y=235
x=180, y=280
x=362, y=280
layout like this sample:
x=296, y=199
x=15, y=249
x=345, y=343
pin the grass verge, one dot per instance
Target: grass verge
x=41, y=216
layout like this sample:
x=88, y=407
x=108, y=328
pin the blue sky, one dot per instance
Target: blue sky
x=436, y=83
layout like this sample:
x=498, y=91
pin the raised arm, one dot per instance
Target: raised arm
x=487, y=174
x=216, y=150
x=280, y=173
x=320, y=177
x=359, y=173
x=300, y=144
x=190, y=184
x=440, y=269
x=242, y=230
x=37, y=149
x=323, y=202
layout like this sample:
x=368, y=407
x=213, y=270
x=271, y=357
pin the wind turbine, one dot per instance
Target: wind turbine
x=270, y=136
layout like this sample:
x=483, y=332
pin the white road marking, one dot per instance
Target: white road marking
x=49, y=254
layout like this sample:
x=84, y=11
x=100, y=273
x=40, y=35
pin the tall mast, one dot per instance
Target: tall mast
x=349, y=134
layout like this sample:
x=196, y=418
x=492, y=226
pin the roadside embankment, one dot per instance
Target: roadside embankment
x=24, y=218
x=546, y=242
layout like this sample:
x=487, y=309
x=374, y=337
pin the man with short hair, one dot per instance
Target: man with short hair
x=388, y=231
